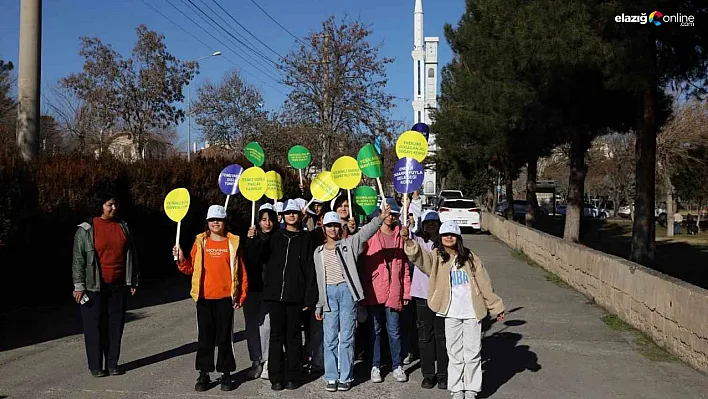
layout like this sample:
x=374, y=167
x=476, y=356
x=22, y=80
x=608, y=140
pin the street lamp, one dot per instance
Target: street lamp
x=189, y=108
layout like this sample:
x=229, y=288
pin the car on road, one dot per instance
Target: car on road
x=520, y=207
x=448, y=194
x=462, y=211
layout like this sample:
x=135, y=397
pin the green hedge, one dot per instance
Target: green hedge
x=42, y=204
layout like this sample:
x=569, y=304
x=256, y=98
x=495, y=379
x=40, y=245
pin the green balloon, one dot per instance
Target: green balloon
x=299, y=157
x=366, y=198
x=254, y=153
x=369, y=161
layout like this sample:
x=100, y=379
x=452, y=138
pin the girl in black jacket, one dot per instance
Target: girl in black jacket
x=290, y=286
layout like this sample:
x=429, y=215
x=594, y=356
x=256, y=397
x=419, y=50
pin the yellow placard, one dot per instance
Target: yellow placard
x=274, y=185
x=346, y=173
x=252, y=183
x=412, y=144
x=177, y=204
x=323, y=187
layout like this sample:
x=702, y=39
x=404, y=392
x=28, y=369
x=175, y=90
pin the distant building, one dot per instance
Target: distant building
x=124, y=148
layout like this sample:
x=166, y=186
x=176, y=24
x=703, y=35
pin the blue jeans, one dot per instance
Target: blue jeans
x=393, y=326
x=339, y=325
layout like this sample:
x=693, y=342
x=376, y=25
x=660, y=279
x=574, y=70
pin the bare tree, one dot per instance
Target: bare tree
x=338, y=83
x=137, y=94
x=231, y=112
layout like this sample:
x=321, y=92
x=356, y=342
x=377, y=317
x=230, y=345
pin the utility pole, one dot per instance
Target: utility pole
x=189, y=123
x=28, y=82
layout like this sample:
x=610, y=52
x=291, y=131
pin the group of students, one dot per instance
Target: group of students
x=293, y=263
x=323, y=265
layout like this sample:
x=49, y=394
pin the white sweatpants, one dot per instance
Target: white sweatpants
x=463, y=339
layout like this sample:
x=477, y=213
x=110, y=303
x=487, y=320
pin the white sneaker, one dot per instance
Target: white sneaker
x=399, y=374
x=264, y=372
x=470, y=395
x=255, y=371
x=376, y=375
x=408, y=359
x=458, y=395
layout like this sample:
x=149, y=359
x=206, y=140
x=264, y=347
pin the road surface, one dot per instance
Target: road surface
x=553, y=345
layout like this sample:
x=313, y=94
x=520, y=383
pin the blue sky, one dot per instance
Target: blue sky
x=114, y=22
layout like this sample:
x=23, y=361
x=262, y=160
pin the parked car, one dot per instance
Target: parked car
x=589, y=211
x=448, y=194
x=624, y=211
x=463, y=211
x=520, y=207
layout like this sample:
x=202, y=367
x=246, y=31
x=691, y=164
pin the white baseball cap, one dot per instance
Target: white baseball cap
x=331, y=218
x=216, y=212
x=279, y=207
x=266, y=207
x=450, y=227
x=292, y=206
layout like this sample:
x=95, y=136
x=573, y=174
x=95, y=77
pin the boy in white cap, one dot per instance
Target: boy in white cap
x=339, y=292
x=462, y=293
x=290, y=287
x=219, y=285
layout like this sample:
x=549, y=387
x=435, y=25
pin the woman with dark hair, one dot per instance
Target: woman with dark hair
x=219, y=285
x=460, y=291
x=104, y=270
x=254, y=311
x=341, y=206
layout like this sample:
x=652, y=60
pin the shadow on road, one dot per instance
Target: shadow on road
x=502, y=357
x=29, y=326
x=160, y=357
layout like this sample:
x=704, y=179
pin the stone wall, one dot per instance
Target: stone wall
x=670, y=311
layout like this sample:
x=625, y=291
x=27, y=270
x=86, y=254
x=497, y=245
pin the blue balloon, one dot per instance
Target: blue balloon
x=407, y=175
x=228, y=179
x=422, y=128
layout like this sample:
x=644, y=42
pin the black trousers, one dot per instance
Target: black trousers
x=409, y=331
x=431, y=341
x=285, y=331
x=215, y=319
x=314, y=339
x=103, y=319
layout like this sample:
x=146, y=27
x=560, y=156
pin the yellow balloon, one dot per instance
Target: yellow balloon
x=252, y=183
x=323, y=187
x=412, y=144
x=274, y=185
x=177, y=204
x=346, y=173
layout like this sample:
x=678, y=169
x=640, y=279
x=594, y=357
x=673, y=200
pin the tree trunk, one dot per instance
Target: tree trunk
x=576, y=187
x=509, y=196
x=669, y=205
x=644, y=229
x=531, y=199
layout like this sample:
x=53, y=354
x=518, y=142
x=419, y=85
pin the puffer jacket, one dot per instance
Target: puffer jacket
x=86, y=267
x=385, y=284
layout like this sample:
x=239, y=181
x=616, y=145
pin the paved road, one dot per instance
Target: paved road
x=554, y=345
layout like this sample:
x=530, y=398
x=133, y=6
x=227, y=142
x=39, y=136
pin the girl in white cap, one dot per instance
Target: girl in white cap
x=459, y=290
x=339, y=291
x=219, y=286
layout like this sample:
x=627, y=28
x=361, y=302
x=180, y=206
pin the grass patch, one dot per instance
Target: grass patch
x=639, y=341
x=520, y=255
x=616, y=324
x=557, y=280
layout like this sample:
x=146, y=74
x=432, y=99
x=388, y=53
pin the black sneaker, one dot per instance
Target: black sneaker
x=99, y=373
x=428, y=383
x=203, y=382
x=115, y=371
x=331, y=386
x=277, y=386
x=227, y=383
x=344, y=386
x=442, y=383
x=292, y=385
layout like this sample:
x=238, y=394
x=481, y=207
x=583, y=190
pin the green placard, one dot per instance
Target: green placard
x=254, y=153
x=369, y=161
x=299, y=157
x=366, y=198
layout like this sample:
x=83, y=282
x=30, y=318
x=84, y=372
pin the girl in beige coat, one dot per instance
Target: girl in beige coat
x=460, y=291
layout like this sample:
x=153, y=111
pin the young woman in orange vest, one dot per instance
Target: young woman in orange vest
x=219, y=285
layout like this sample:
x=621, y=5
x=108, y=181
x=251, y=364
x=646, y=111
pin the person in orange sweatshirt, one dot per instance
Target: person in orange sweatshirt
x=219, y=285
